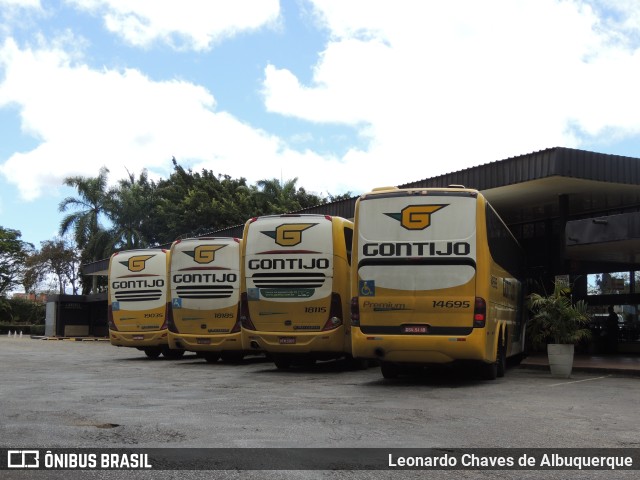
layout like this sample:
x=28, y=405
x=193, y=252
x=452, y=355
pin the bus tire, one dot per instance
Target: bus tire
x=152, y=352
x=489, y=371
x=232, y=357
x=282, y=363
x=502, y=360
x=211, y=357
x=389, y=370
x=172, y=354
x=354, y=363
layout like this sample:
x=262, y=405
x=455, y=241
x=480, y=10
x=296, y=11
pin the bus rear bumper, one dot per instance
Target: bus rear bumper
x=206, y=343
x=412, y=349
x=331, y=342
x=156, y=338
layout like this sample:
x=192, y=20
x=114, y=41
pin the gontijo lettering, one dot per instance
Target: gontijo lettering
x=288, y=263
x=204, y=278
x=416, y=249
x=137, y=283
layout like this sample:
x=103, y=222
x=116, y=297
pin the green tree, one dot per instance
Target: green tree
x=90, y=206
x=131, y=211
x=58, y=258
x=92, y=203
x=13, y=256
x=193, y=203
x=274, y=197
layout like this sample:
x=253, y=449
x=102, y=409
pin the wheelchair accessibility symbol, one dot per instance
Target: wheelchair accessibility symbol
x=367, y=288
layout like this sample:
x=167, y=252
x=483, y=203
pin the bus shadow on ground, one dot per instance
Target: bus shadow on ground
x=340, y=365
x=436, y=376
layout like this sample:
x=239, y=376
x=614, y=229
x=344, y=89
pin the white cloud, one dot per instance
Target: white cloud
x=86, y=118
x=442, y=86
x=431, y=87
x=194, y=24
x=20, y=3
x=14, y=13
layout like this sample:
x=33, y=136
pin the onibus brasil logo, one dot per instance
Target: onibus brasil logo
x=204, y=253
x=289, y=234
x=416, y=217
x=137, y=263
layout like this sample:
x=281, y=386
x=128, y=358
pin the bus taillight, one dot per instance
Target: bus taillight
x=112, y=324
x=355, y=312
x=169, y=322
x=245, y=316
x=335, y=313
x=237, y=326
x=480, y=313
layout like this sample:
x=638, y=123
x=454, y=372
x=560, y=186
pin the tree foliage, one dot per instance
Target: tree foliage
x=13, y=255
x=58, y=258
x=139, y=213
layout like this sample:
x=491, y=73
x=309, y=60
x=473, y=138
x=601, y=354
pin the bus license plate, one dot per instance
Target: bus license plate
x=203, y=341
x=138, y=337
x=287, y=340
x=416, y=329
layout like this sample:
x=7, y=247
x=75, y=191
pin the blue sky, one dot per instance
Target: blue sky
x=343, y=95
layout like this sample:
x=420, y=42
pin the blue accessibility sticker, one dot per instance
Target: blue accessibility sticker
x=367, y=288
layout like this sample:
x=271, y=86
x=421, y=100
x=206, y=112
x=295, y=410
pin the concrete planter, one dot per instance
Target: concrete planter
x=560, y=359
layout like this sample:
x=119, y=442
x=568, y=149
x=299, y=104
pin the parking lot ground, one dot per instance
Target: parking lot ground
x=93, y=395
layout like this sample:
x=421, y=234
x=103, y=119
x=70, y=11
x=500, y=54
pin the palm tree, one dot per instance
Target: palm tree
x=92, y=203
x=130, y=212
x=275, y=197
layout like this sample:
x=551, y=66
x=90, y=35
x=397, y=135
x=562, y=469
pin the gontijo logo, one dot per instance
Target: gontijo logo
x=137, y=262
x=416, y=217
x=289, y=234
x=204, y=253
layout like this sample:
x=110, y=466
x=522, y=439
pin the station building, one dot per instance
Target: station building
x=576, y=213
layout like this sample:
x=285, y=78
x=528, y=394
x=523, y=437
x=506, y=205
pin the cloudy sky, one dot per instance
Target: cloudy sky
x=344, y=95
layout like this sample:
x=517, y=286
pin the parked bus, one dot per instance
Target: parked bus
x=295, y=293
x=436, y=280
x=204, y=279
x=137, y=311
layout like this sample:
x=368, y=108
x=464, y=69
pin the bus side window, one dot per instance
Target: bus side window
x=348, y=240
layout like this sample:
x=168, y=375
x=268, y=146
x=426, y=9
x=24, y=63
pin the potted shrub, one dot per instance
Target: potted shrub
x=560, y=324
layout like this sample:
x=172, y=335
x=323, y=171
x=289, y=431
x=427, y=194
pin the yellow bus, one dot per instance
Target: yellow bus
x=295, y=293
x=204, y=281
x=137, y=301
x=435, y=281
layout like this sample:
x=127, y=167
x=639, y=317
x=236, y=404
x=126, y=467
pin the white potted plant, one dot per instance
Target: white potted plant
x=560, y=324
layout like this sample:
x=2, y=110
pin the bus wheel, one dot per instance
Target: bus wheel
x=489, y=371
x=389, y=370
x=357, y=363
x=502, y=360
x=172, y=354
x=282, y=363
x=232, y=357
x=211, y=357
x=152, y=352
